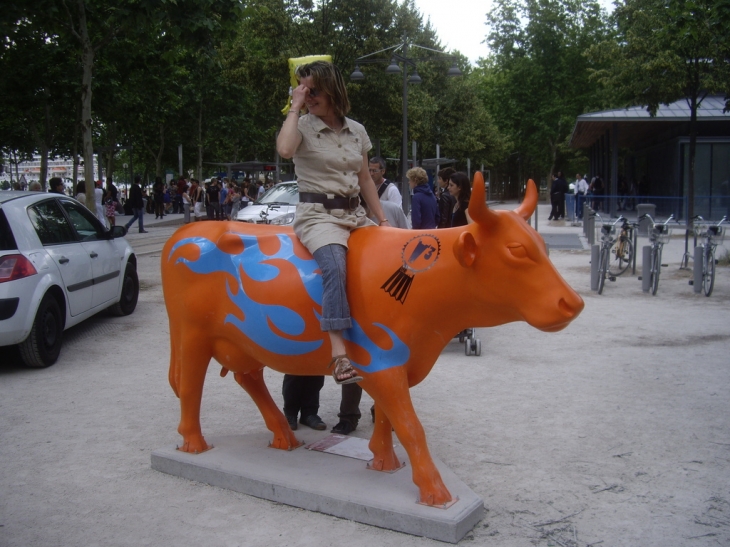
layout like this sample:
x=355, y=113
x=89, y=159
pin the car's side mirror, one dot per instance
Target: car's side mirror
x=118, y=231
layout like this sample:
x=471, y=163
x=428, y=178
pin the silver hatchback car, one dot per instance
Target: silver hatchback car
x=58, y=266
x=277, y=206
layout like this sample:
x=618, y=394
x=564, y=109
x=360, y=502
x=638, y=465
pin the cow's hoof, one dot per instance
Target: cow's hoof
x=285, y=442
x=194, y=446
x=440, y=498
x=387, y=465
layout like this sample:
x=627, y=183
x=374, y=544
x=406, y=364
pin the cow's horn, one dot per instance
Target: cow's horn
x=527, y=207
x=478, y=210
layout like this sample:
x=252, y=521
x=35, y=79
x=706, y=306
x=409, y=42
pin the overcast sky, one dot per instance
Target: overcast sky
x=460, y=24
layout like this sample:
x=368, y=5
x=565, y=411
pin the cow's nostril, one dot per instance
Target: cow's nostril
x=565, y=308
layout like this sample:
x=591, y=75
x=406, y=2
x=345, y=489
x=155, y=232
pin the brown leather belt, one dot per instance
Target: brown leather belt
x=337, y=202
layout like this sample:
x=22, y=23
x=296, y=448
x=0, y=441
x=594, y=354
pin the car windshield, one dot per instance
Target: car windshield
x=283, y=194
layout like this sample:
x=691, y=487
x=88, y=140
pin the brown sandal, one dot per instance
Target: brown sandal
x=343, y=367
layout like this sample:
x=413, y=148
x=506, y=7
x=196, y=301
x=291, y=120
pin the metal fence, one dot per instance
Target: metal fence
x=708, y=207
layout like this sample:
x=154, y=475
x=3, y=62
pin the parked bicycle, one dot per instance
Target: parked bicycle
x=622, y=252
x=608, y=240
x=713, y=234
x=659, y=235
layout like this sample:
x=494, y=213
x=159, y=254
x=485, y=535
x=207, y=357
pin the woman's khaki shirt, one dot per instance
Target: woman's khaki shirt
x=328, y=163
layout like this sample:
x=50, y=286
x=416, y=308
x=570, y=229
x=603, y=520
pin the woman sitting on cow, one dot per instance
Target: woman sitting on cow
x=460, y=189
x=331, y=164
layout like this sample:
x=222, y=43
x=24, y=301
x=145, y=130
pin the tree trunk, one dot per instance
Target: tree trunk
x=200, y=143
x=75, y=154
x=161, y=150
x=87, y=61
x=44, y=163
x=112, y=151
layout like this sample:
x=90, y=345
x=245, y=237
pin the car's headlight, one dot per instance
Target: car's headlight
x=284, y=219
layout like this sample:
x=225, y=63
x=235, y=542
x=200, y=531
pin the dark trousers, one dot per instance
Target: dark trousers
x=350, y=404
x=579, y=201
x=558, y=206
x=216, y=208
x=301, y=394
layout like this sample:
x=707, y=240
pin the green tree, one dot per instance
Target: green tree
x=667, y=50
x=537, y=78
x=38, y=88
x=95, y=23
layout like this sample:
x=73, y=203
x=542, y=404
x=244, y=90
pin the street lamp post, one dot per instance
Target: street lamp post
x=399, y=54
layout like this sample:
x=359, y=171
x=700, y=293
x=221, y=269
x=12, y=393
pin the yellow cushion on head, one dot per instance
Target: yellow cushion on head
x=293, y=64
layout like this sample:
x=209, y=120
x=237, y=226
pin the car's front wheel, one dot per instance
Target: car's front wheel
x=130, y=292
x=43, y=345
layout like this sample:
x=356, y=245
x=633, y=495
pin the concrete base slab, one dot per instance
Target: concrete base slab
x=327, y=483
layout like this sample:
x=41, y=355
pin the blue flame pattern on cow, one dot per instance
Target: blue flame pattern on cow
x=255, y=324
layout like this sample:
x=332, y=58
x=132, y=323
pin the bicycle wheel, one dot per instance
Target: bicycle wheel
x=621, y=255
x=656, y=267
x=708, y=269
x=602, y=267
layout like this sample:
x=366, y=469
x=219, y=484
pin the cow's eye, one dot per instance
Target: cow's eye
x=517, y=250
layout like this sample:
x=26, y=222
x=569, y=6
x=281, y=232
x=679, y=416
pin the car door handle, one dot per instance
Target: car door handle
x=93, y=254
x=63, y=260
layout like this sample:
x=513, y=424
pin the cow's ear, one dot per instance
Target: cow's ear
x=465, y=249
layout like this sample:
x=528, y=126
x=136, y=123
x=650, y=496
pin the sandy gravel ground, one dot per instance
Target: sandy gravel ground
x=612, y=432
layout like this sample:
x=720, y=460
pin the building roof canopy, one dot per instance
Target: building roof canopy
x=637, y=125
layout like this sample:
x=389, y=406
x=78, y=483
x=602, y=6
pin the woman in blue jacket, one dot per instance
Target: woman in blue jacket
x=424, y=209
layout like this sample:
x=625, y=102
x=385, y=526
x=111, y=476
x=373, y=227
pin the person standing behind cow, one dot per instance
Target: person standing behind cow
x=301, y=398
x=186, y=204
x=99, y=203
x=198, y=198
x=222, y=200
x=182, y=187
x=234, y=201
x=56, y=185
x=81, y=192
x=330, y=159
x=444, y=199
x=214, y=198
x=137, y=204
x=387, y=190
x=158, y=190
x=424, y=209
x=460, y=190
x=581, y=188
x=597, y=189
x=557, y=197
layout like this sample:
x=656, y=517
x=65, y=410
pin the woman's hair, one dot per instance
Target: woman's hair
x=446, y=173
x=417, y=175
x=462, y=181
x=81, y=187
x=327, y=79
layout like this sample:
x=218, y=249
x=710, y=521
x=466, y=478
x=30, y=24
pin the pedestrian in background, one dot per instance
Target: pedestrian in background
x=581, y=189
x=137, y=203
x=460, y=189
x=424, y=209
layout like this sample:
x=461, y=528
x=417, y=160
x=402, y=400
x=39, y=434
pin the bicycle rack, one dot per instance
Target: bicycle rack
x=697, y=269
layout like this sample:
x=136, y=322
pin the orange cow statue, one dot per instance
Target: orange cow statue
x=250, y=297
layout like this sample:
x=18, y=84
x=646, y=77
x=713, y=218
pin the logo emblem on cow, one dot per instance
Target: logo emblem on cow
x=250, y=297
x=418, y=255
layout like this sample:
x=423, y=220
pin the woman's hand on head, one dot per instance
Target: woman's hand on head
x=298, y=97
